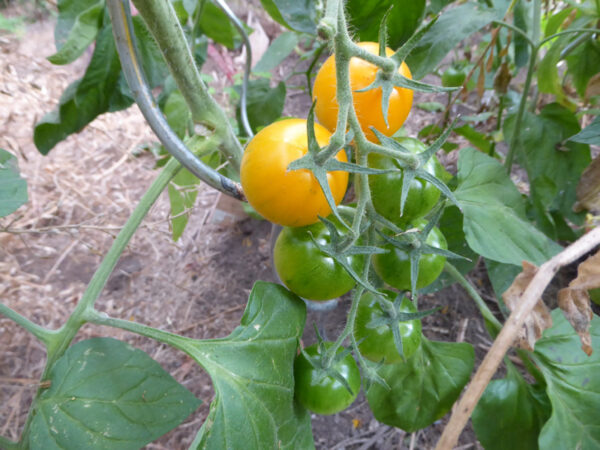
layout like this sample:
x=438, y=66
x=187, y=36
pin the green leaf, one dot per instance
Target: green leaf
x=573, y=386
x=494, y=213
x=84, y=99
x=405, y=17
x=69, y=12
x=83, y=26
x=279, y=49
x=13, y=188
x=424, y=388
x=264, y=103
x=519, y=410
x=431, y=106
x=152, y=61
x=298, y=15
x=215, y=24
x=501, y=276
x=252, y=373
x=553, y=166
x=106, y=394
x=479, y=140
x=590, y=134
x=451, y=226
x=177, y=113
x=102, y=88
x=583, y=63
x=444, y=35
x=182, y=195
x=522, y=20
x=547, y=73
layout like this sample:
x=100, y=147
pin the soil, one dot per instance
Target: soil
x=81, y=194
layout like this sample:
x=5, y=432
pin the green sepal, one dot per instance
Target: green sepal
x=403, y=52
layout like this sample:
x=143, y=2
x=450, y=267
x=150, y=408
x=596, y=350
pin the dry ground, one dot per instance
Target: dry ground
x=79, y=197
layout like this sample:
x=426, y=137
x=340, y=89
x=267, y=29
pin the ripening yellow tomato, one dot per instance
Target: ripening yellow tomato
x=366, y=104
x=288, y=197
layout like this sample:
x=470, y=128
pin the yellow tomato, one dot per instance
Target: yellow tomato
x=366, y=104
x=287, y=197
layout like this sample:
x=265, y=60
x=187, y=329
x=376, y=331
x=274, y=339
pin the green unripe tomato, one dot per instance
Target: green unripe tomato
x=387, y=188
x=394, y=266
x=377, y=343
x=325, y=395
x=453, y=77
x=305, y=270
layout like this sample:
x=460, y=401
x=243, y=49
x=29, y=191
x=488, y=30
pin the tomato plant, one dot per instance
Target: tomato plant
x=305, y=269
x=386, y=188
x=394, y=266
x=287, y=197
x=367, y=103
x=317, y=389
x=376, y=341
x=536, y=72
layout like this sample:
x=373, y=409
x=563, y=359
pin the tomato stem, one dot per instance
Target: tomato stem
x=43, y=334
x=58, y=341
x=166, y=30
x=483, y=307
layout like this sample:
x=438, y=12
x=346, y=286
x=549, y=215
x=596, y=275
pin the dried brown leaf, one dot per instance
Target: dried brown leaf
x=588, y=189
x=490, y=61
x=593, y=87
x=575, y=299
x=538, y=320
x=481, y=80
x=575, y=304
x=502, y=79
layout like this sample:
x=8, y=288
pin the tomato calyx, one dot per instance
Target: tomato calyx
x=340, y=249
x=417, y=170
x=391, y=313
x=325, y=361
x=414, y=243
x=320, y=162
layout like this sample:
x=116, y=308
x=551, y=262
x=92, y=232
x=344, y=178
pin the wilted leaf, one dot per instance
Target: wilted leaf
x=538, y=320
x=593, y=87
x=575, y=300
x=502, y=78
x=588, y=189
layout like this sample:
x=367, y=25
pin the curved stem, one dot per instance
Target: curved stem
x=43, y=334
x=312, y=65
x=62, y=338
x=247, y=65
x=514, y=140
x=516, y=30
x=173, y=340
x=166, y=30
x=573, y=30
x=483, y=307
x=124, y=38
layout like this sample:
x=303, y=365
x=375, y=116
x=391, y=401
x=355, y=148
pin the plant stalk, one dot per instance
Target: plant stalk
x=535, y=37
x=483, y=307
x=61, y=339
x=166, y=30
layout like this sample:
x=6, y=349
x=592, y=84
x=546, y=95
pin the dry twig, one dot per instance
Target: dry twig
x=511, y=328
